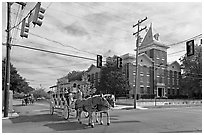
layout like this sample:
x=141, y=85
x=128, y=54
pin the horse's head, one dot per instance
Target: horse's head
x=102, y=101
x=111, y=99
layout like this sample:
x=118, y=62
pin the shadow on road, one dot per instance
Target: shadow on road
x=36, y=118
x=67, y=126
x=126, y=121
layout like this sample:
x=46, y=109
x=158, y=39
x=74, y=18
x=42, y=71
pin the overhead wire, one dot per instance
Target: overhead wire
x=53, y=52
x=23, y=18
x=20, y=17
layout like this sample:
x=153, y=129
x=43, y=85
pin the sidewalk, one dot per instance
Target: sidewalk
x=12, y=114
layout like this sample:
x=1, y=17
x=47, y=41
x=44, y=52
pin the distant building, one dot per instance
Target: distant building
x=64, y=85
x=155, y=76
x=94, y=75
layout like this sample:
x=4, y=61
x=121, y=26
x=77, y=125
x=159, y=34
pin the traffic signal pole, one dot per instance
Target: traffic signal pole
x=7, y=70
x=8, y=50
x=137, y=50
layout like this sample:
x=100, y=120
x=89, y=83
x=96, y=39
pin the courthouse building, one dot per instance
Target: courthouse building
x=155, y=75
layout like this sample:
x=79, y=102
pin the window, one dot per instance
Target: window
x=178, y=74
x=173, y=92
x=168, y=91
x=148, y=78
x=148, y=89
x=172, y=81
x=148, y=73
x=168, y=80
x=162, y=79
x=141, y=78
x=177, y=81
x=133, y=78
x=142, y=90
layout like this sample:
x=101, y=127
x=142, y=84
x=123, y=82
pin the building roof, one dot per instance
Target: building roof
x=149, y=40
x=92, y=66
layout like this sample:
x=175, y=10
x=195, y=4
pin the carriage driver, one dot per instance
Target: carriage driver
x=78, y=93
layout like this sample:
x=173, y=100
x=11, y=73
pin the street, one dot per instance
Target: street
x=35, y=118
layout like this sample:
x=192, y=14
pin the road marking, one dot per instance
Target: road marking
x=41, y=110
x=118, y=107
x=41, y=104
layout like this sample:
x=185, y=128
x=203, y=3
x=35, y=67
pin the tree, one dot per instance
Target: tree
x=113, y=81
x=17, y=83
x=191, y=82
x=40, y=92
x=75, y=75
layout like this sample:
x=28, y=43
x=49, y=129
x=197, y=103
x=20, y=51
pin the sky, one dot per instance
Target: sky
x=89, y=28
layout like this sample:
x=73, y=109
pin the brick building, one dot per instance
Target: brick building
x=155, y=75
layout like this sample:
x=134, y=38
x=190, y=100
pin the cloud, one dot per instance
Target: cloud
x=75, y=29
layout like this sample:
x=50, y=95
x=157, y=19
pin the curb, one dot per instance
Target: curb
x=10, y=115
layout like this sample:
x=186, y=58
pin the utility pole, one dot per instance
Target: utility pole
x=8, y=49
x=137, y=50
x=7, y=70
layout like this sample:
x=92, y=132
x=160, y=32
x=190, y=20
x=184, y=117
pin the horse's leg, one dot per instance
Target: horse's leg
x=79, y=115
x=101, y=118
x=96, y=116
x=91, y=119
x=108, y=118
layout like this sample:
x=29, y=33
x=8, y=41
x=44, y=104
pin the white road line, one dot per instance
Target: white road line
x=124, y=106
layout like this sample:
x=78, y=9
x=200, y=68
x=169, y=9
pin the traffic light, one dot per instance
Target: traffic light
x=119, y=62
x=38, y=15
x=190, y=47
x=99, y=61
x=24, y=29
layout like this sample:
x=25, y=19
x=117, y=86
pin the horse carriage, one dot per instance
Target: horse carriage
x=61, y=101
x=68, y=105
x=27, y=99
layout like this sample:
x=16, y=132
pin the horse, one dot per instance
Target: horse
x=90, y=105
x=111, y=100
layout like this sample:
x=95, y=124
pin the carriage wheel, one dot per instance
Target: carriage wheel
x=66, y=112
x=51, y=109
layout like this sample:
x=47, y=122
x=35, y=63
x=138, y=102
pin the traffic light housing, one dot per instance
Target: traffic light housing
x=99, y=61
x=190, y=47
x=38, y=15
x=24, y=29
x=119, y=62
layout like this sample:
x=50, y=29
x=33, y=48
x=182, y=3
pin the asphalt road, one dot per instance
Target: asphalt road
x=35, y=118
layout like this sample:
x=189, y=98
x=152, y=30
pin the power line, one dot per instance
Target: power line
x=22, y=19
x=54, y=41
x=53, y=52
x=176, y=52
x=49, y=5
x=44, y=67
x=185, y=40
